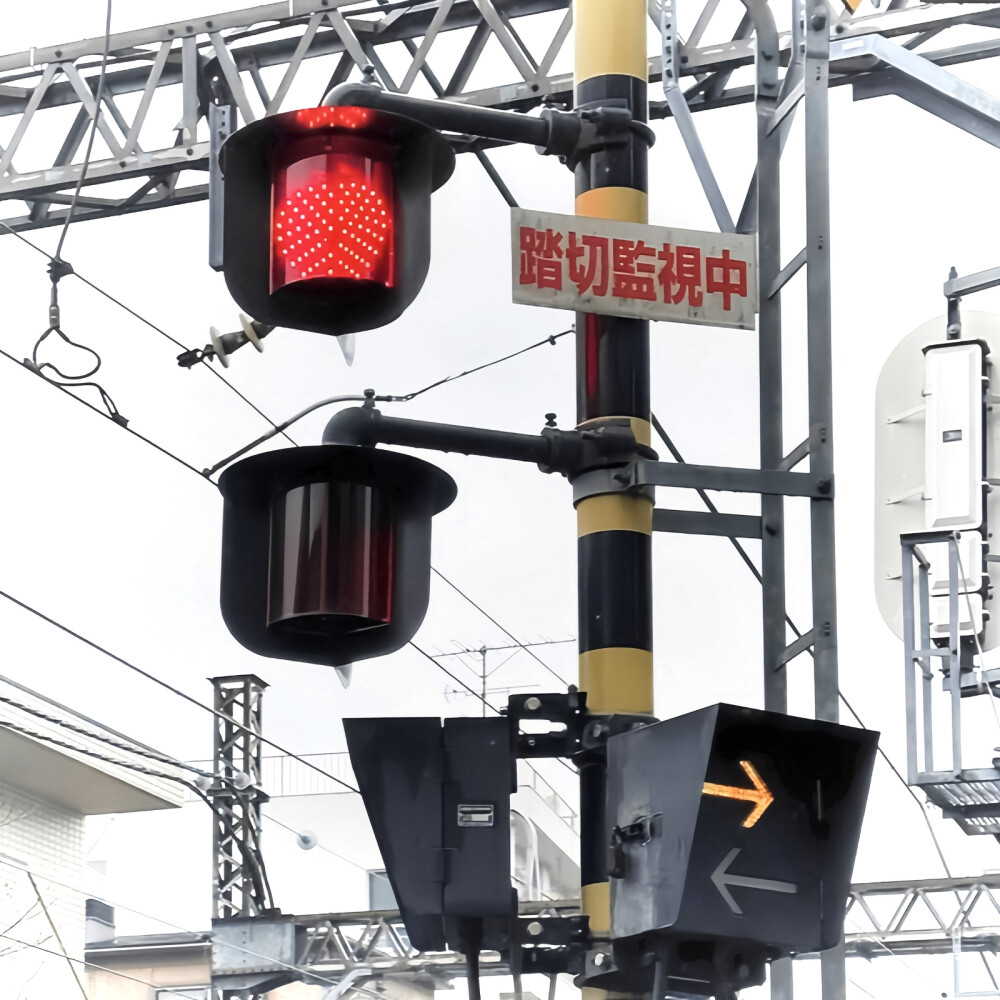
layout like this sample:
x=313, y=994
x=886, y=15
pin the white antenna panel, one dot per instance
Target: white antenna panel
x=934, y=453
x=953, y=440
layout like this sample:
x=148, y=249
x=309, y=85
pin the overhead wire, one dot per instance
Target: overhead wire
x=153, y=444
x=255, y=862
x=452, y=378
x=55, y=930
x=117, y=905
x=93, y=133
x=32, y=693
x=328, y=850
x=178, y=991
x=169, y=687
x=153, y=326
x=127, y=747
x=458, y=590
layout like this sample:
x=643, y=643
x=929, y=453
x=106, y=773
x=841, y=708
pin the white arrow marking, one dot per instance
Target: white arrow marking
x=723, y=880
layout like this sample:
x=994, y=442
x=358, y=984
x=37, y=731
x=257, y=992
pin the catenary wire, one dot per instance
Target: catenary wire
x=153, y=326
x=151, y=772
x=278, y=427
x=551, y=339
x=451, y=378
x=671, y=447
x=101, y=413
x=166, y=923
x=176, y=991
x=117, y=744
x=31, y=692
x=51, y=922
x=133, y=747
x=458, y=590
x=548, y=340
x=93, y=133
x=169, y=687
x=188, y=465
x=330, y=851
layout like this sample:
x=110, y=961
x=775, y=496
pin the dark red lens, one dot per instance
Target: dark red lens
x=332, y=216
x=331, y=557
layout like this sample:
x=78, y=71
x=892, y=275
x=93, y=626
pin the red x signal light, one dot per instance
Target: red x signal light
x=327, y=216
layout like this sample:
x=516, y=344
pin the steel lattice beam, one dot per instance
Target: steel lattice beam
x=176, y=70
x=925, y=917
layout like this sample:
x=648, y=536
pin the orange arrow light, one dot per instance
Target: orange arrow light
x=760, y=794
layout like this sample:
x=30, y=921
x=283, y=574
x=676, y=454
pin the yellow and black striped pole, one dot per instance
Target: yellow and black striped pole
x=615, y=531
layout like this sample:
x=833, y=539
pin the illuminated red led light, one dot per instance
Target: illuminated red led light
x=332, y=217
x=345, y=117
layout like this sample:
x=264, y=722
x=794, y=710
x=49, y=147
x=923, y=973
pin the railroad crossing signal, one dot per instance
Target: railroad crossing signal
x=327, y=216
x=438, y=797
x=326, y=551
x=723, y=889
x=760, y=795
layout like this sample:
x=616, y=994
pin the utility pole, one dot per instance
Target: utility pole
x=614, y=531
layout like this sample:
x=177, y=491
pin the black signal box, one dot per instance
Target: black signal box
x=438, y=798
x=732, y=834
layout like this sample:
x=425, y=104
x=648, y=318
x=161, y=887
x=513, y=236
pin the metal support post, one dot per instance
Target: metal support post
x=772, y=507
x=824, y=585
x=614, y=531
x=240, y=886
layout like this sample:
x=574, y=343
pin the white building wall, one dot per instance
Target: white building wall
x=48, y=840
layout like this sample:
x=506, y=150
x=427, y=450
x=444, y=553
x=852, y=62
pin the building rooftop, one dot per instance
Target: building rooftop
x=72, y=778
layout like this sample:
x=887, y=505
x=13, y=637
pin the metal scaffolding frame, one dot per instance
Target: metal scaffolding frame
x=887, y=919
x=172, y=73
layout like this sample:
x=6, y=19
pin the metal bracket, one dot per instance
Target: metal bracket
x=640, y=475
x=967, y=284
x=693, y=522
x=552, y=944
x=568, y=710
x=220, y=123
x=640, y=830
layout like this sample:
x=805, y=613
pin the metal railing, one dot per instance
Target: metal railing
x=283, y=776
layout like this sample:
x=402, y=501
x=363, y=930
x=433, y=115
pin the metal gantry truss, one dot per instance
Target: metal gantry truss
x=153, y=147
x=885, y=919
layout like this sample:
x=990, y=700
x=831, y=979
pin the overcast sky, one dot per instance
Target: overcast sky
x=120, y=543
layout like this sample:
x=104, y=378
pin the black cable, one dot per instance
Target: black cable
x=905, y=784
x=451, y=378
x=169, y=687
x=142, y=769
x=489, y=364
x=471, y=941
x=678, y=458
x=457, y=680
x=137, y=749
x=152, y=326
x=93, y=132
x=79, y=399
x=487, y=615
x=178, y=991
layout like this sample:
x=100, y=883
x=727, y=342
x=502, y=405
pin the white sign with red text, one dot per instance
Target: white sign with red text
x=627, y=269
